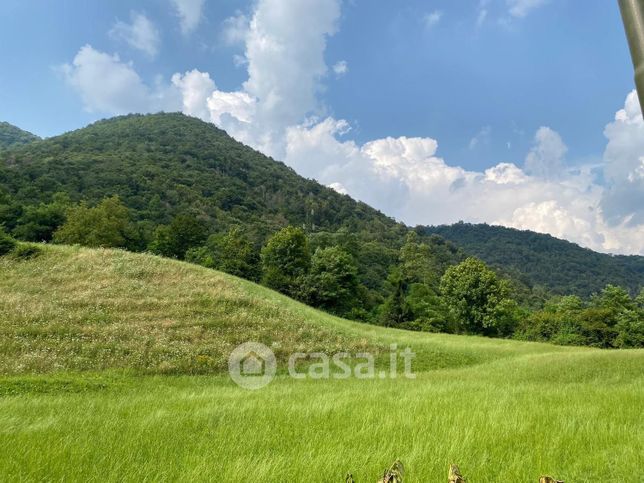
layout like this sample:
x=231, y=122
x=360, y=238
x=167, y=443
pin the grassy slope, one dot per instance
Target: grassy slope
x=504, y=410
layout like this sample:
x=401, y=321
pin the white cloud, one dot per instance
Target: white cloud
x=141, y=34
x=623, y=201
x=340, y=68
x=190, y=13
x=235, y=29
x=107, y=85
x=238, y=105
x=432, y=19
x=195, y=88
x=521, y=8
x=546, y=158
x=405, y=178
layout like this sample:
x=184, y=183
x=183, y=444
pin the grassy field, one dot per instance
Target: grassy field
x=113, y=369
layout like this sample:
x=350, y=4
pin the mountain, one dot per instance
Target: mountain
x=539, y=259
x=163, y=165
x=12, y=136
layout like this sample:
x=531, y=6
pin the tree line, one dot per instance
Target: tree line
x=424, y=284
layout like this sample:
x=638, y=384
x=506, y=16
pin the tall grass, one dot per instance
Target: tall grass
x=88, y=338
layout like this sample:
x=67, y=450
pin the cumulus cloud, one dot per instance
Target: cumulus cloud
x=405, y=178
x=623, y=201
x=195, y=88
x=521, y=8
x=546, y=158
x=108, y=85
x=141, y=34
x=190, y=13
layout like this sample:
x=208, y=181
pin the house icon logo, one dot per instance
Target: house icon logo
x=252, y=365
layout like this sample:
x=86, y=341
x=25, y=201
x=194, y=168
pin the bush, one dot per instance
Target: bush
x=26, y=252
x=7, y=244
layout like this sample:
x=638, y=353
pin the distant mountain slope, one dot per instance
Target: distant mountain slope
x=12, y=136
x=164, y=164
x=544, y=260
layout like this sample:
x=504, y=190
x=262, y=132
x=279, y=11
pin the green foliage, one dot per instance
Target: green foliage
x=39, y=222
x=476, y=297
x=332, y=283
x=542, y=260
x=396, y=312
x=105, y=225
x=610, y=319
x=13, y=136
x=286, y=260
x=25, y=251
x=232, y=252
x=183, y=233
x=7, y=243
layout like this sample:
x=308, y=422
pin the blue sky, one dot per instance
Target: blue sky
x=413, y=106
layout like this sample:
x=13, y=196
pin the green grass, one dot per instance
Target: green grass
x=112, y=370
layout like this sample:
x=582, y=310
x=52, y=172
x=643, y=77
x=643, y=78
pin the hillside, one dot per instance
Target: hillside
x=164, y=164
x=74, y=308
x=539, y=259
x=11, y=136
x=97, y=349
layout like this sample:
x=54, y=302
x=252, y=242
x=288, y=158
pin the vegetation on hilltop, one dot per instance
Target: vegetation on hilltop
x=12, y=136
x=543, y=260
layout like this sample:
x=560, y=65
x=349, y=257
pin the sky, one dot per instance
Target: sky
x=513, y=112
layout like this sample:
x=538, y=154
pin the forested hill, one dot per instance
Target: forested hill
x=541, y=259
x=12, y=136
x=162, y=165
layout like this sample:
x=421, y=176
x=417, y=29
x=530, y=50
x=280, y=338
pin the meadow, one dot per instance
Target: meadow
x=113, y=369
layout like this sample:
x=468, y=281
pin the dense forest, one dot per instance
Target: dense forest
x=181, y=188
x=539, y=259
x=13, y=136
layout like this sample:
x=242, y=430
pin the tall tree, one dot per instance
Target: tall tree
x=174, y=240
x=105, y=225
x=286, y=260
x=477, y=298
x=332, y=282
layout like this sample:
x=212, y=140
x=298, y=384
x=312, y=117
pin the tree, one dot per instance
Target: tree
x=396, y=311
x=39, y=222
x=105, y=225
x=286, y=260
x=231, y=252
x=332, y=283
x=174, y=240
x=476, y=297
x=417, y=263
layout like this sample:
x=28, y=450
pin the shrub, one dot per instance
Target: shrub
x=26, y=252
x=7, y=244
